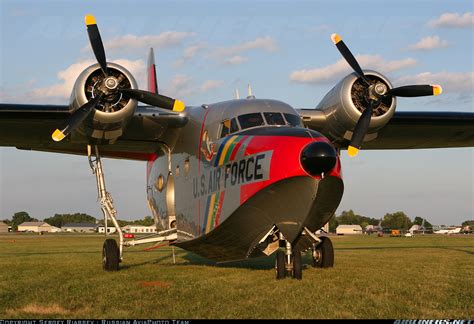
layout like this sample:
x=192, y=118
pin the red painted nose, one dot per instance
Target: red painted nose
x=318, y=157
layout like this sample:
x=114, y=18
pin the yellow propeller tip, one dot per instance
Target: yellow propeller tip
x=437, y=89
x=90, y=20
x=335, y=38
x=352, y=151
x=58, y=135
x=178, y=105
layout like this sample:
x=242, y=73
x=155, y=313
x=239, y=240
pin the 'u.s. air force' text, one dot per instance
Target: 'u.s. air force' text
x=251, y=168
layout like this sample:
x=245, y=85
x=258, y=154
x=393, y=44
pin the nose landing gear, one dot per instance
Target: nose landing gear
x=289, y=262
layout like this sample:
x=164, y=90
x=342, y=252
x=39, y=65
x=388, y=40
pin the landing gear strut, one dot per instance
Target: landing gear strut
x=112, y=253
x=288, y=263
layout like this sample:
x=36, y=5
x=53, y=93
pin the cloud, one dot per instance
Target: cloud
x=181, y=86
x=189, y=53
x=211, y=85
x=336, y=71
x=60, y=91
x=235, y=60
x=452, y=82
x=429, y=43
x=230, y=55
x=453, y=20
x=133, y=42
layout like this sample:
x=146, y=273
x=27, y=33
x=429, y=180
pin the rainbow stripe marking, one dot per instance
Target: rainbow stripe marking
x=227, y=152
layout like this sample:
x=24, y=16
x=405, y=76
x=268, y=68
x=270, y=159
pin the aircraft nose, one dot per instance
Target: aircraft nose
x=318, y=157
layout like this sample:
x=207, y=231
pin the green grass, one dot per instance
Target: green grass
x=60, y=276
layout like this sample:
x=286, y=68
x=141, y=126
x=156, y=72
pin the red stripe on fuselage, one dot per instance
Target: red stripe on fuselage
x=285, y=162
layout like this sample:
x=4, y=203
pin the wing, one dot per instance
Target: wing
x=30, y=127
x=411, y=130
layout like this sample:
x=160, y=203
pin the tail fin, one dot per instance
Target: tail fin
x=151, y=69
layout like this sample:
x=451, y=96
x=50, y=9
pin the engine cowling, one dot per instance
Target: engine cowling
x=112, y=114
x=343, y=105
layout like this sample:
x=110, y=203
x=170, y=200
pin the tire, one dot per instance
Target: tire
x=297, y=265
x=280, y=265
x=323, y=256
x=110, y=255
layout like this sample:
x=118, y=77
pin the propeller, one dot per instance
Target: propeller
x=109, y=87
x=379, y=92
x=76, y=119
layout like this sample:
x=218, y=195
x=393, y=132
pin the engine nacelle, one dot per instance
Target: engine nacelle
x=343, y=105
x=106, y=123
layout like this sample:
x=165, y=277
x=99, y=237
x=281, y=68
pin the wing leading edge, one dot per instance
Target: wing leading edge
x=29, y=127
x=411, y=130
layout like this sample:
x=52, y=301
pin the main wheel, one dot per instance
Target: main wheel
x=323, y=255
x=297, y=265
x=280, y=265
x=110, y=255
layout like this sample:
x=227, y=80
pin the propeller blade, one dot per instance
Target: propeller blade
x=346, y=53
x=416, y=90
x=96, y=42
x=359, y=131
x=154, y=99
x=76, y=119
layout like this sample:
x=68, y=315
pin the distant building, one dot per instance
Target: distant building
x=139, y=229
x=37, y=227
x=348, y=229
x=3, y=227
x=110, y=229
x=79, y=227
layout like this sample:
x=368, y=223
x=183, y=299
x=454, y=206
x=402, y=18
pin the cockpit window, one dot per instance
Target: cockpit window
x=229, y=126
x=251, y=120
x=274, y=118
x=293, y=120
x=225, y=128
x=233, y=126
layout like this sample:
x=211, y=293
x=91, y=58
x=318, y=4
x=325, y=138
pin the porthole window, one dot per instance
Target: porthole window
x=160, y=182
x=186, y=166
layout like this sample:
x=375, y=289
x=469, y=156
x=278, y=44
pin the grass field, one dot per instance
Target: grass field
x=60, y=276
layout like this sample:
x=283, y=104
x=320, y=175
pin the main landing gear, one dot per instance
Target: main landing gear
x=112, y=253
x=289, y=262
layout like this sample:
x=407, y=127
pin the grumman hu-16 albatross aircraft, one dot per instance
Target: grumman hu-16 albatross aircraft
x=237, y=179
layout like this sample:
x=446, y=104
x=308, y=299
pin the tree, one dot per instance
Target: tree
x=21, y=217
x=333, y=224
x=7, y=221
x=468, y=223
x=59, y=220
x=397, y=220
x=418, y=221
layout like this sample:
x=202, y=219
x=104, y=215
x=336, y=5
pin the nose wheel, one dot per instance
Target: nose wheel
x=288, y=263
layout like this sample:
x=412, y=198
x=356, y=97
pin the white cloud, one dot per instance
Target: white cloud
x=454, y=20
x=182, y=86
x=189, y=53
x=452, y=82
x=429, y=43
x=235, y=60
x=336, y=71
x=60, y=92
x=211, y=85
x=230, y=55
x=133, y=42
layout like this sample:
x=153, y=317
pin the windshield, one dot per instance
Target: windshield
x=251, y=120
x=274, y=118
x=293, y=120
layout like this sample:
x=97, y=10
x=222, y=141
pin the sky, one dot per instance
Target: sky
x=205, y=50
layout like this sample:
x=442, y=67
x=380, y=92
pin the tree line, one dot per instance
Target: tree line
x=59, y=220
x=397, y=220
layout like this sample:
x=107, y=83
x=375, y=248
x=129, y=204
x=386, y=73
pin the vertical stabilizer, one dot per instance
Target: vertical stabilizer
x=151, y=70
